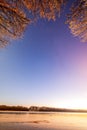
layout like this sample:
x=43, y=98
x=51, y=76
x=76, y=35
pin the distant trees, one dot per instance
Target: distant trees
x=38, y=109
x=15, y=15
x=13, y=108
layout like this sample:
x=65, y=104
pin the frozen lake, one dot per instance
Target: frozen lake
x=42, y=121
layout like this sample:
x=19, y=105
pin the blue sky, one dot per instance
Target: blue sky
x=47, y=67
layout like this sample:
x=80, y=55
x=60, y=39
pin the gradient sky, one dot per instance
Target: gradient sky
x=48, y=67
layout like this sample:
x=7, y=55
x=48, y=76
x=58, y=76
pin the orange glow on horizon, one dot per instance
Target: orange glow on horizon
x=75, y=104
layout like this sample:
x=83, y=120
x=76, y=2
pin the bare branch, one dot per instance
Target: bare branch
x=77, y=19
x=15, y=15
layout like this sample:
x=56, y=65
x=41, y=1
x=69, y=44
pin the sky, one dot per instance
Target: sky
x=47, y=67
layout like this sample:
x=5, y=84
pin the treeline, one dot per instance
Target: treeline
x=52, y=109
x=38, y=109
x=13, y=108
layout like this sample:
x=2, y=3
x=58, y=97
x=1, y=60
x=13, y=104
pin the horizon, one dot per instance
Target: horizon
x=47, y=67
x=61, y=108
x=69, y=108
